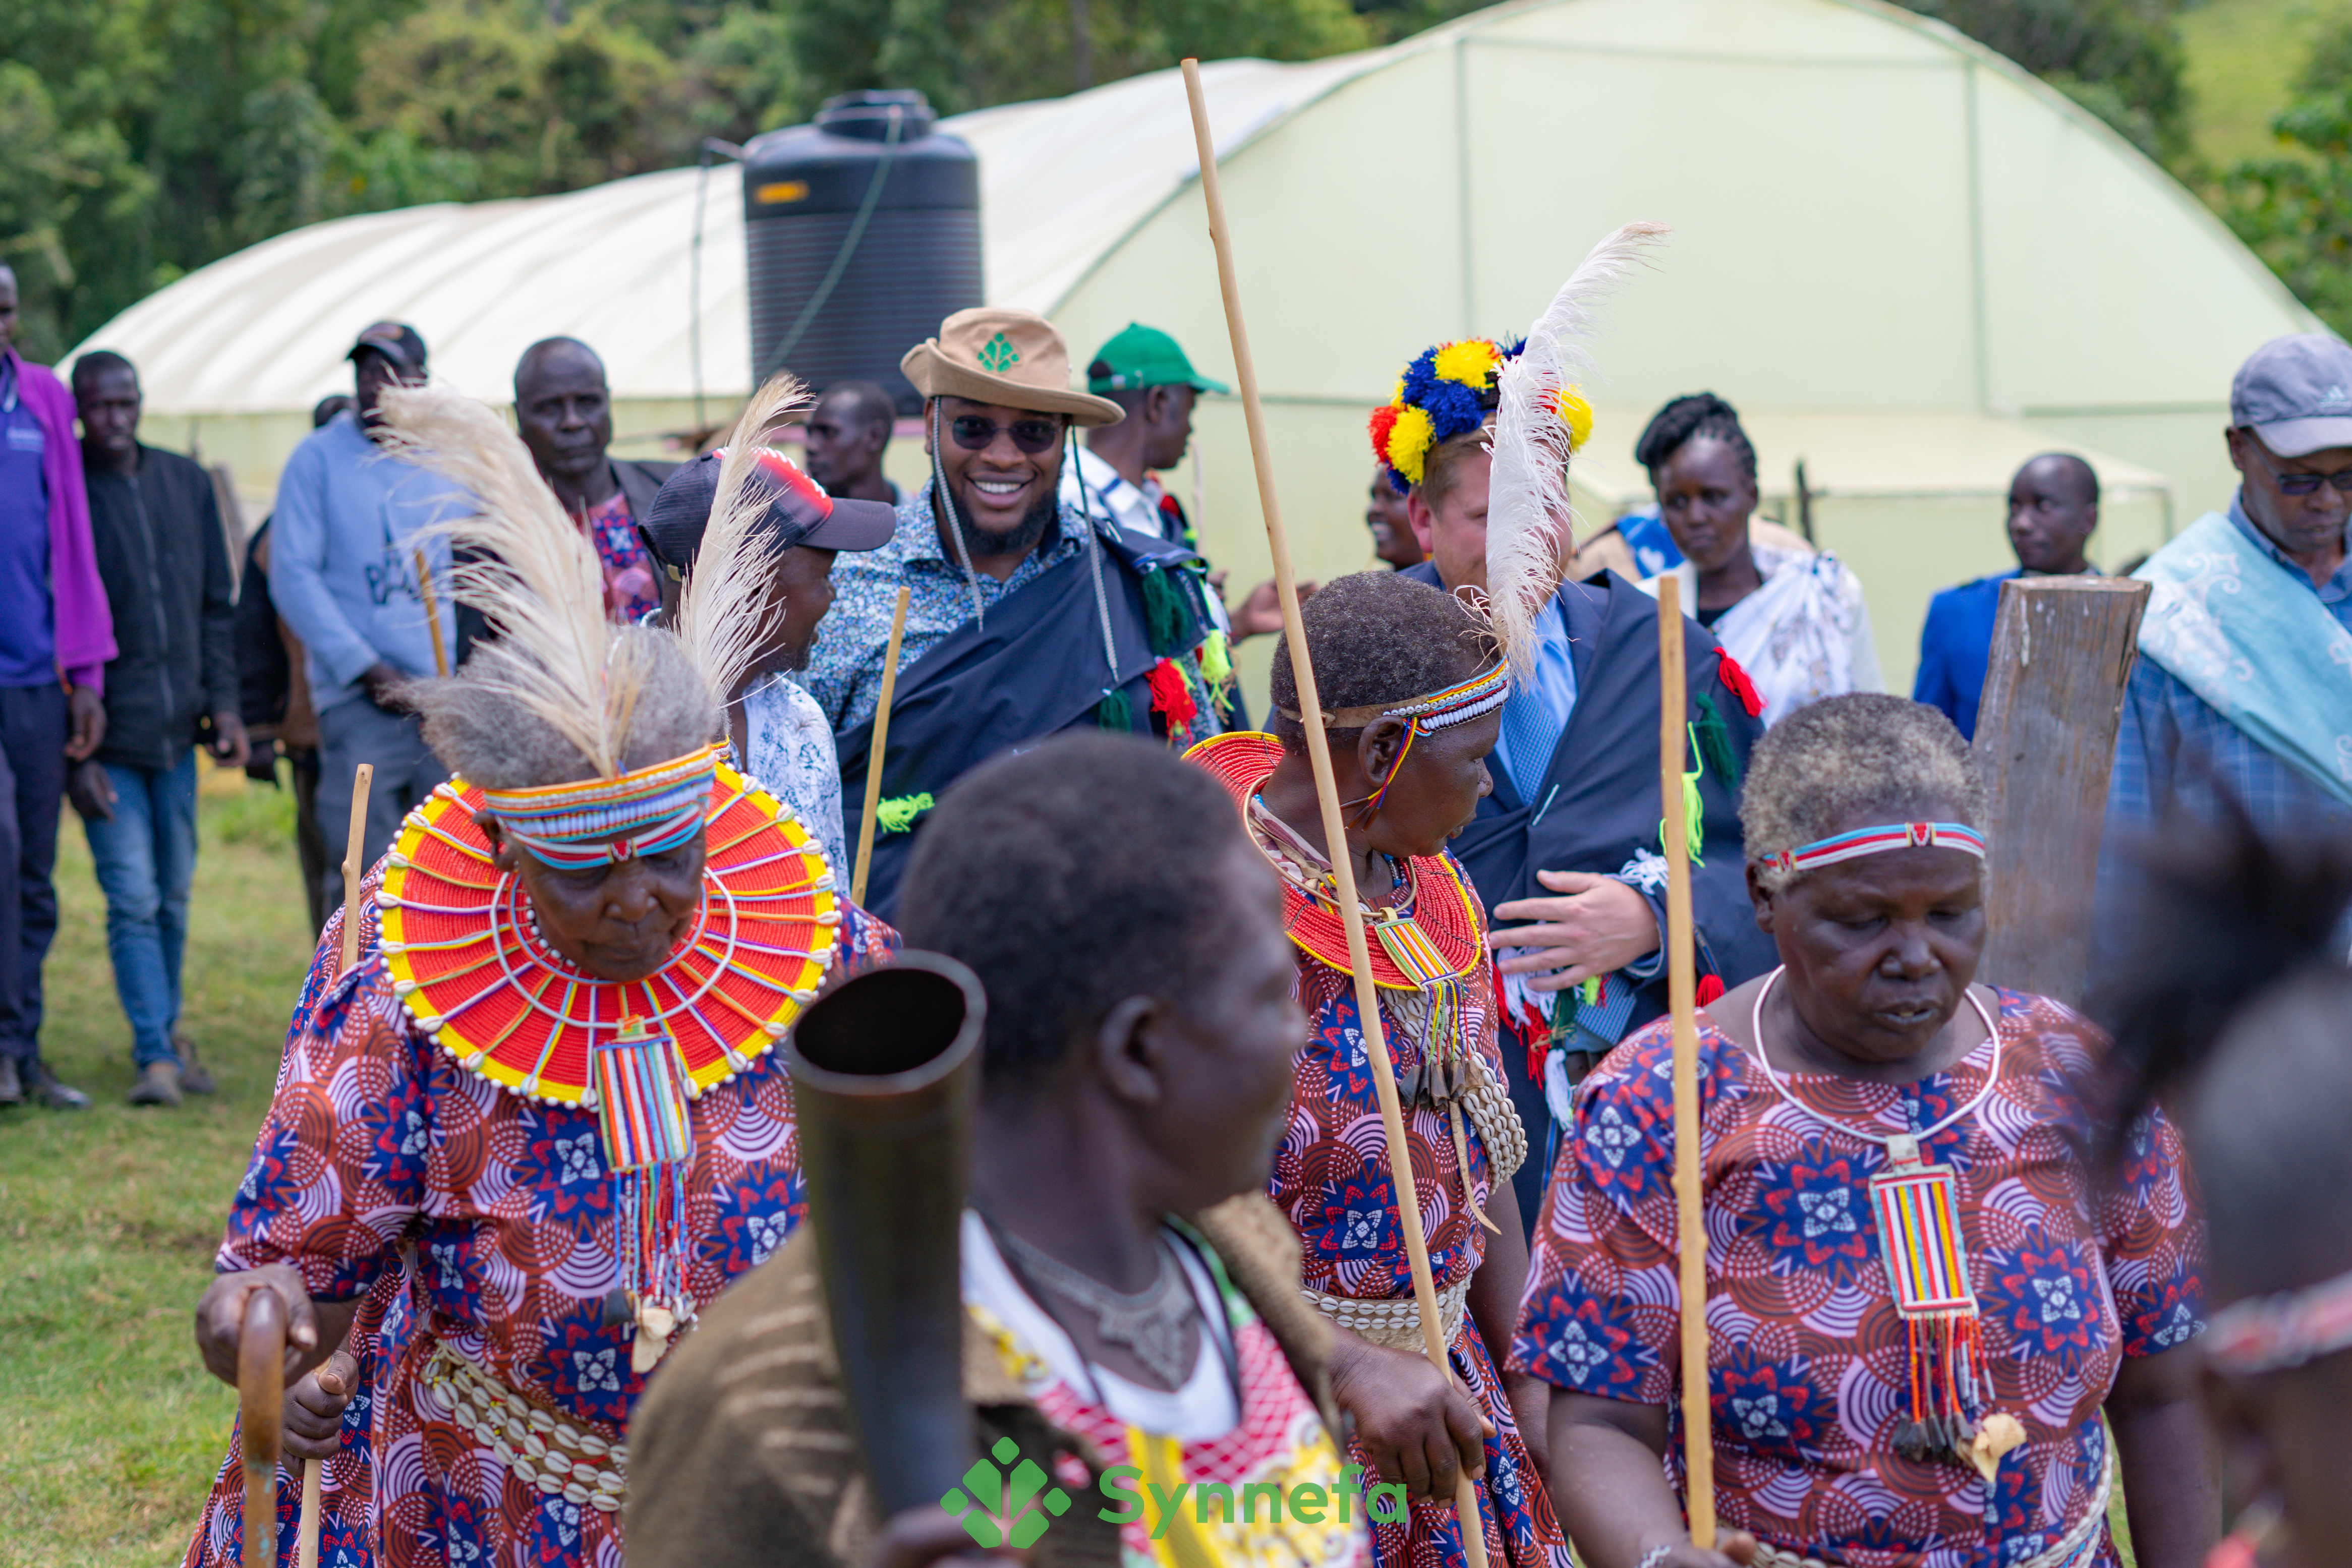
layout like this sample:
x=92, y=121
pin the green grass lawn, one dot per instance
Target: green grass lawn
x=2242, y=58
x=110, y=1429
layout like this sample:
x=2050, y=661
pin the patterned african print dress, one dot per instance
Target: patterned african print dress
x=1330, y=1171
x=490, y=1420
x=1809, y=1363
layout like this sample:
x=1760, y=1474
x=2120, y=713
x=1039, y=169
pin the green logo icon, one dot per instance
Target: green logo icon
x=1003, y=1515
x=998, y=355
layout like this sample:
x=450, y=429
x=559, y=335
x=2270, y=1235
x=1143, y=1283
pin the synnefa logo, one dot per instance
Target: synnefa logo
x=1004, y=1515
x=1307, y=1502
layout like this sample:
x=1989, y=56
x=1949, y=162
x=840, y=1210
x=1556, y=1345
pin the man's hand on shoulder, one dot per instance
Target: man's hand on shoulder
x=1598, y=924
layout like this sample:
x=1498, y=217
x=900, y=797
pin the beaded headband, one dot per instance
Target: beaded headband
x=2271, y=1333
x=1482, y=693
x=602, y=821
x=1877, y=842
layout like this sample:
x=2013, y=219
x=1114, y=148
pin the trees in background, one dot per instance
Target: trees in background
x=148, y=137
x=2296, y=209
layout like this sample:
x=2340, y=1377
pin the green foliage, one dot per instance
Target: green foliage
x=2296, y=212
x=2121, y=59
x=968, y=54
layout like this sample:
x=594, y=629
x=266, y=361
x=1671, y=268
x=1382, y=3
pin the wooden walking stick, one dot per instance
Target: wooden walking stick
x=874, y=755
x=1327, y=793
x=1682, y=993
x=260, y=1409
x=306, y=1547
x=433, y=620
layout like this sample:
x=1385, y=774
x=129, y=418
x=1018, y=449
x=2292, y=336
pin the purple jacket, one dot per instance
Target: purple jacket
x=85, y=627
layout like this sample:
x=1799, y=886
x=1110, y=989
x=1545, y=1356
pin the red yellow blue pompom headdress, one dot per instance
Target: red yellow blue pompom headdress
x=1450, y=391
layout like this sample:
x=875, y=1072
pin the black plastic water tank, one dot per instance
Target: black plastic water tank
x=833, y=300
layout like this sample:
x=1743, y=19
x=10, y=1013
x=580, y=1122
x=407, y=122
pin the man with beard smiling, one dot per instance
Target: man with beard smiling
x=1027, y=615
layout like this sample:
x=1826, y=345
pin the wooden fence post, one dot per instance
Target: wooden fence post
x=2062, y=652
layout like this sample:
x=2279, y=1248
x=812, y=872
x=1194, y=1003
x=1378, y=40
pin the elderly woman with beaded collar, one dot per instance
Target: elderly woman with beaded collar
x=537, y=1124
x=1921, y=1302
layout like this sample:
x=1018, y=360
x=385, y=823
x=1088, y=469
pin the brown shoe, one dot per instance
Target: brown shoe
x=195, y=1078
x=159, y=1085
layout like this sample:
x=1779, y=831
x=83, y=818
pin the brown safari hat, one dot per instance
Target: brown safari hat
x=1013, y=358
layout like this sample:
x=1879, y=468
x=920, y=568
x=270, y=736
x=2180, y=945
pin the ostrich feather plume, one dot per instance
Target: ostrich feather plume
x=528, y=569
x=726, y=611
x=1530, y=527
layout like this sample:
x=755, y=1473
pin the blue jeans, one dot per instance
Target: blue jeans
x=146, y=857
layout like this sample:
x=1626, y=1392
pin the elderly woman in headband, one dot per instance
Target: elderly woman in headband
x=538, y=1120
x=1921, y=1303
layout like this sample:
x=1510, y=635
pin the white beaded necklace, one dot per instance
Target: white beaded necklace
x=1888, y=1140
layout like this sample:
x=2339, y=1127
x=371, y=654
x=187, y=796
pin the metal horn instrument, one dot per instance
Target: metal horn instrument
x=884, y=1069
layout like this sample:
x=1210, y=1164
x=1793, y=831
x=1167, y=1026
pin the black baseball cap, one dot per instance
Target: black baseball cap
x=800, y=511
x=396, y=341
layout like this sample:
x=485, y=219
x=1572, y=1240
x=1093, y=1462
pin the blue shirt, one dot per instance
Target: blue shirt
x=1955, y=646
x=28, y=644
x=1538, y=711
x=2173, y=749
x=343, y=558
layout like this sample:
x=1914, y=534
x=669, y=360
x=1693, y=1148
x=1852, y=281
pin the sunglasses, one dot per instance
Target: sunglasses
x=2306, y=484
x=1033, y=436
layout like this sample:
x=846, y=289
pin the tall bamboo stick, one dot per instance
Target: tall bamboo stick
x=433, y=620
x=873, y=754
x=306, y=1540
x=1327, y=793
x=1681, y=992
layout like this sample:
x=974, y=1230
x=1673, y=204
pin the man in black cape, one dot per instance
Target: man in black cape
x=1026, y=615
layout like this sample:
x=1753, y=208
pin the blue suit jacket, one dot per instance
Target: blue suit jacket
x=1955, y=646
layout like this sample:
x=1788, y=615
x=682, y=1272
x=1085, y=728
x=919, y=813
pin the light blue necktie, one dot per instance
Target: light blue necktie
x=1537, y=710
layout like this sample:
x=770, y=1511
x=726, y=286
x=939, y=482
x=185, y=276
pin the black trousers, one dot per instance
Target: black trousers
x=31, y=796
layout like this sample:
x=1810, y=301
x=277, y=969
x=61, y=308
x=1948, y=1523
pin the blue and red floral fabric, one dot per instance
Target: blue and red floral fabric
x=1809, y=1359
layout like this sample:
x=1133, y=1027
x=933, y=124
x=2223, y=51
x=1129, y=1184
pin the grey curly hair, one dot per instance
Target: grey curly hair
x=487, y=738
x=1834, y=763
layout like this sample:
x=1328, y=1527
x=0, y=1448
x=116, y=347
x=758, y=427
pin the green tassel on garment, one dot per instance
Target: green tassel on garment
x=1113, y=712
x=1693, y=809
x=1168, y=621
x=897, y=816
x=1216, y=660
x=1715, y=743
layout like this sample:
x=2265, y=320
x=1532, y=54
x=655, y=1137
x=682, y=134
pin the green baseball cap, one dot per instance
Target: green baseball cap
x=1144, y=357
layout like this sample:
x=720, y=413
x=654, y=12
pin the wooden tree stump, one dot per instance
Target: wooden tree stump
x=2062, y=652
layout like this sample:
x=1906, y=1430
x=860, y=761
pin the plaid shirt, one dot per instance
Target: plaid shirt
x=2174, y=751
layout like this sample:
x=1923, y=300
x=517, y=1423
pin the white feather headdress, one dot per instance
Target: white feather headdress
x=724, y=610
x=1530, y=527
x=533, y=574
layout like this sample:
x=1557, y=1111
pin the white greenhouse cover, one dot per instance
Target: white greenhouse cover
x=265, y=330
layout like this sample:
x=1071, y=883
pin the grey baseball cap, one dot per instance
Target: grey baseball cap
x=2296, y=393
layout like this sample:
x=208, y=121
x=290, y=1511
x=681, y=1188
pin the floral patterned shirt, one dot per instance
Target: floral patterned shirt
x=793, y=757
x=377, y=1142
x=844, y=667
x=630, y=592
x=1808, y=1358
